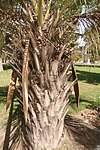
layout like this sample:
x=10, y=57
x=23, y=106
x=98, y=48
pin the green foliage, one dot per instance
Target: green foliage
x=40, y=12
x=76, y=57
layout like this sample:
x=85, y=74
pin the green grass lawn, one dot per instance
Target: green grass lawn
x=89, y=87
x=4, y=82
x=89, y=83
x=5, y=78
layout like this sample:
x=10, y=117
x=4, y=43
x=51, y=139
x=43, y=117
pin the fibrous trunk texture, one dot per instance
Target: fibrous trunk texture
x=41, y=60
x=47, y=85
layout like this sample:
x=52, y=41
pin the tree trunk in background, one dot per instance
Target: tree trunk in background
x=1, y=66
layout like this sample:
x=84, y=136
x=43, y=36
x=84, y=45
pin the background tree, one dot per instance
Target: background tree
x=1, y=44
x=40, y=55
x=89, y=39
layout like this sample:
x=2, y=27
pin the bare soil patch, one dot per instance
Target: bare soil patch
x=82, y=131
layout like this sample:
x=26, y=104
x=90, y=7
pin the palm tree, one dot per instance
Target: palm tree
x=41, y=42
x=1, y=43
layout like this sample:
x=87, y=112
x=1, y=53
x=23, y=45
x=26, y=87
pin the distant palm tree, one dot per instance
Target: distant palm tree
x=41, y=43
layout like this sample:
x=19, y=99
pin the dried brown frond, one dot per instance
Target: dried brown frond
x=25, y=76
x=76, y=87
x=11, y=89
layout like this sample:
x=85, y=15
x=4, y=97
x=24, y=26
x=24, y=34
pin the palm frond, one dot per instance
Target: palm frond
x=76, y=87
x=48, y=10
x=40, y=13
x=34, y=6
x=25, y=78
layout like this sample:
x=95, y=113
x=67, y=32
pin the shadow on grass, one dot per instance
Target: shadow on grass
x=82, y=134
x=91, y=104
x=3, y=94
x=89, y=77
x=18, y=132
x=8, y=129
x=86, y=103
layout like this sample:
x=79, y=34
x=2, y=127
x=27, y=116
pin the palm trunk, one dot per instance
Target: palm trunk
x=1, y=67
x=48, y=91
x=45, y=74
x=46, y=117
x=46, y=126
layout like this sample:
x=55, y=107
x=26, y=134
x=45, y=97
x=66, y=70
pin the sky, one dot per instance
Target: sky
x=82, y=27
